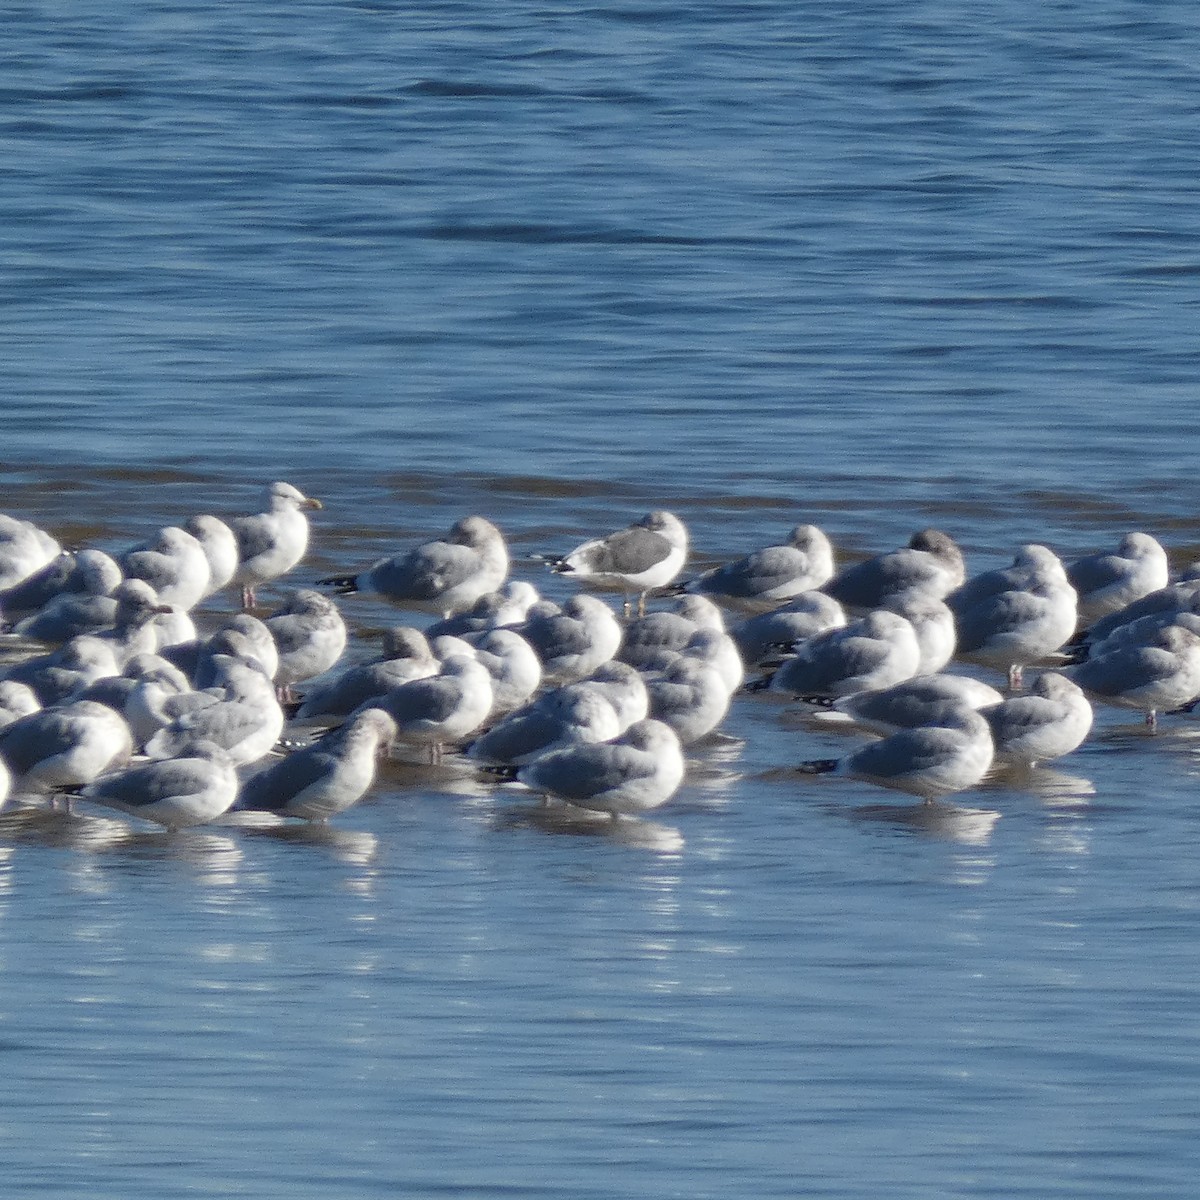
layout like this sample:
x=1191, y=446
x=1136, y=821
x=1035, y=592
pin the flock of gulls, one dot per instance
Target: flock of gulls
x=111, y=696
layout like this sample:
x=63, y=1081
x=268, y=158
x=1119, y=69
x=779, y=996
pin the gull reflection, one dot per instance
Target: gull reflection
x=356, y=847
x=971, y=826
x=625, y=831
x=1048, y=784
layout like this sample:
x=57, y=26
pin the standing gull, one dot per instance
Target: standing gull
x=271, y=543
x=648, y=554
x=310, y=635
x=443, y=576
x=220, y=549
x=771, y=576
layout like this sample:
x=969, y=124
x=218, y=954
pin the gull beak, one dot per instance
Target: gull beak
x=309, y=502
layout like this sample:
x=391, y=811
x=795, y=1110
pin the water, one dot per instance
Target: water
x=873, y=266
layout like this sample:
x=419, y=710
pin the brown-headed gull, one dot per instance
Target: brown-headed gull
x=638, y=771
x=1106, y=583
x=646, y=555
x=1050, y=720
x=326, y=778
x=271, y=543
x=771, y=576
x=192, y=789
x=930, y=761
x=444, y=576
x=931, y=564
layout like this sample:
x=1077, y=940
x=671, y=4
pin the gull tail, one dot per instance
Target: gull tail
x=818, y=766
x=758, y=685
x=343, y=585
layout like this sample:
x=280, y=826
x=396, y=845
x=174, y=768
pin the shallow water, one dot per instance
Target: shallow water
x=870, y=267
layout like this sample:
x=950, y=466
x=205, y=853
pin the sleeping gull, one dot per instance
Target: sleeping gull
x=1157, y=676
x=443, y=576
x=708, y=648
x=648, y=554
x=930, y=761
x=326, y=778
x=1106, y=583
x=271, y=543
x=763, y=636
x=442, y=709
x=640, y=770
x=406, y=656
x=86, y=573
x=193, y=789
x=690, y=697
x=1015, y=616
x=24, y=549
x=572, y=714
x=494, y=610
x=174, y=564
x=934, y=625
x=623, y=688
x=1181, y=596
x=310, y=635
x=16, y=700
x=921, y=700
x=73, y=666
x=512, y=663
x=56, y=749
x=874, y=651
x=1051, y=720
x=220, y=549
x=86, y=605
x=646, y=637
x=574, y=640
x=931, y=564
x=771, y=576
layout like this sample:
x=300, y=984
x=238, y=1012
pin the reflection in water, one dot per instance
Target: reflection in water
x=625, y=831
x=970, y=825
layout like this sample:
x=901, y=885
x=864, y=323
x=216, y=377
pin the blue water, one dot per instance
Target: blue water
x=878, y=266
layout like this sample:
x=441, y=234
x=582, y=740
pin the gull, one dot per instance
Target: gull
x=573, y=714
x=72, y=667
x=442, y=576
x=921, y=700
x=442, y=709
x=512, y=663
x=1015, y=616
x=648, y=554
x=271, y=543
x=872, y=652
x=16, y=700
x=132, y=631
x=1051, y=720
x=1140, y=632
x=239, y=713
x=931, y=564
x=193, y=789
x=623, y=688
x=310, y=636
x=933, y=623
x=1158, y=676
x=574, y=640
x=771, y=576
x=647, y=637
x=708, y=648
x=638, y=771
x=406, y=656
x=174, y=564
x=930, y=761
x=326, y=778
x=85, y=573
x=1106, y=583
x=85, y=605
x=1181, y=596
x=63, y=747
x=24, y=549
x=494, y=610
x=5, y=782
x=763, y=636
x=690, y=697
x=220, y=548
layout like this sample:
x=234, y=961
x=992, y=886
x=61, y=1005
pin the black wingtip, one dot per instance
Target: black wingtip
x=758, y=685
x=818, y=701
x=502, y=771
x=343, y=585
x=818, y=766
